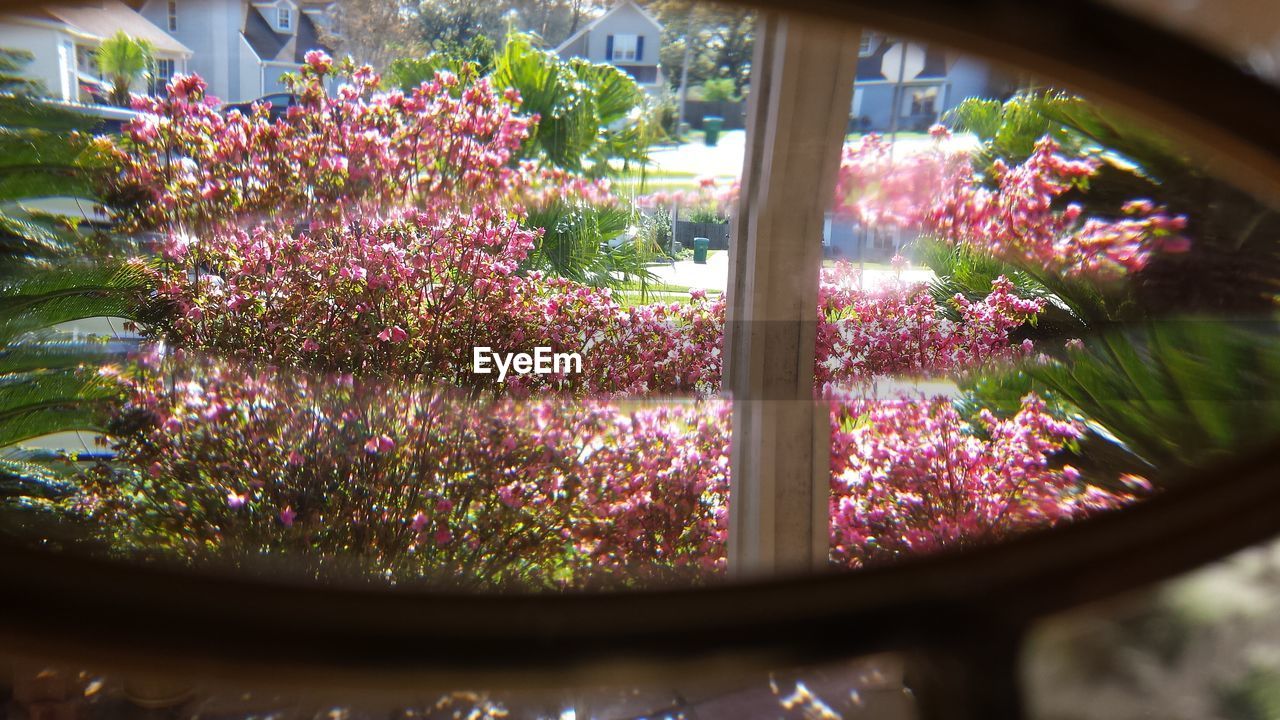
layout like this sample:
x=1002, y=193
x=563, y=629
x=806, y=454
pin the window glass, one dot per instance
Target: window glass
x=461, y=320
x=1000, y=331
x=624, y=47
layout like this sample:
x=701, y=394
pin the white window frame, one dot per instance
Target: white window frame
x=173, y=15
x=625, y=51
x=284, y=17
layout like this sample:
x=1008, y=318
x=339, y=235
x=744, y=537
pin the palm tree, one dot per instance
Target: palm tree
x=124, y=59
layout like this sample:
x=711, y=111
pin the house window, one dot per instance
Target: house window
x=866, y=45
x=164, y=71
x=922, y=102
x=173, y=15
x=284, y=18
x=624, y=47
x=86, y=63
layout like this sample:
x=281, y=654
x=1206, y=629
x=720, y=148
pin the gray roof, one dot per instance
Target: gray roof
x=274, y=46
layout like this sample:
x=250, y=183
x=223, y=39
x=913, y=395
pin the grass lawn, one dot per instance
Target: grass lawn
x=653, y=185
x=663, y=181
x=631, y=293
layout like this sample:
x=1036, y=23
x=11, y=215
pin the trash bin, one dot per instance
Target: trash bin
x=700, y=247
x=711, y=129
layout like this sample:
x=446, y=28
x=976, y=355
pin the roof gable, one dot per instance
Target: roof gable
x=271, y=45
x=105, y=18
x=644, y=14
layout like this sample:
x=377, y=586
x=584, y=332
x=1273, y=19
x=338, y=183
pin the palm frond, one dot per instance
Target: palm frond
x=1175, y=394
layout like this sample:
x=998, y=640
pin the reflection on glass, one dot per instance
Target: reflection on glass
x=335, y=476
x=1206, y=645
x=863, y=688
x=1072, y=325
x=458, y=327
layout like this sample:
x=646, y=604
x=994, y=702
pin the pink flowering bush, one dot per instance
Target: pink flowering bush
x=344, y=477
x=878, y=188
x=708, y=200
x=910, y=477
x=898, y=330
x=1022, y=220
x=187, y=168
x=374, y=239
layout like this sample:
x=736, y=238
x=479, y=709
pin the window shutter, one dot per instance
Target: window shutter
x=639, y=48
x=608, y=48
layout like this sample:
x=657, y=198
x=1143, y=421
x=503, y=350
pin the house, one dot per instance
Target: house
x=924, y=80
x=242, y=47
x=63, y=38
x=625, y=36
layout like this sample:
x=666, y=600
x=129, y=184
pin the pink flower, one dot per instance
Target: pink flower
x=236, y=500
x=287, y=516
x=318, y=61
x=444, y=506
x=393, y=334
x=443, y=537
x=419, y=522
x=379, y=444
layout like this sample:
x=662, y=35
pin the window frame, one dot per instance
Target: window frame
x=967, y=610
x=625, y=53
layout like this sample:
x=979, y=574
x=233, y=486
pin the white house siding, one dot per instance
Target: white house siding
x=875, y=105
x=271, y=73
x=969, y=78
x=578, y=47
x=211, y=28
x=47, y=66
x=250, y=69
x=626, y=20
